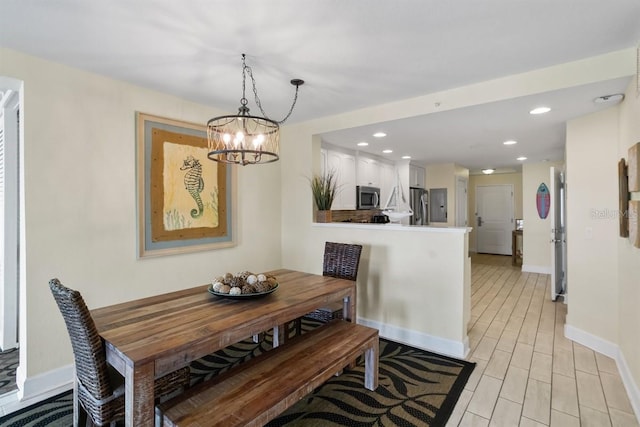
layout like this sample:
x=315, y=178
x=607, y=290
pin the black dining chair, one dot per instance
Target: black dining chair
x=99, y=388
x=341, y=260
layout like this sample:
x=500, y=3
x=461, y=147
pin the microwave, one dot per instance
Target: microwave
x=367, y=197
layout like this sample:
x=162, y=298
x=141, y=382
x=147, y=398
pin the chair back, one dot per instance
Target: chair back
x=88, y=348
x=341, y=260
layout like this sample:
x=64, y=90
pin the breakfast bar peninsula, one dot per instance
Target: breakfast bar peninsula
x=413, y=282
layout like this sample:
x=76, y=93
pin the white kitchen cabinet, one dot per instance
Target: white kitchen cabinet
x=324, y=154
x=344, y=166
x=387, y=181
x=417, y=175
x=368, y=172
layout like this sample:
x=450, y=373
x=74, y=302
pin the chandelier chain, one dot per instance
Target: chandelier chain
x=257, y=98
x=243, y=100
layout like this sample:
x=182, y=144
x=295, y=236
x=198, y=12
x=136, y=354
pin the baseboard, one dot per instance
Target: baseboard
x=595, y=343
x=611, y=350
x=459, y=349
x=541, y=269
x=35, y=389
x=633, y=391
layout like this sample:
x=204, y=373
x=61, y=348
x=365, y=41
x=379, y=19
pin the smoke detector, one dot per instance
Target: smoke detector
x=609, y=99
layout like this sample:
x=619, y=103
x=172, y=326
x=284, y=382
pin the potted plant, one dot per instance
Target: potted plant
x=324, y=188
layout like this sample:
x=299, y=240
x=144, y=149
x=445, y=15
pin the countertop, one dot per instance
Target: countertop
x=393, y=227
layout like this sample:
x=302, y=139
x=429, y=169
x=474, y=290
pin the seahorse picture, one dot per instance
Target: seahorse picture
x=193, y=183
x=191, y=188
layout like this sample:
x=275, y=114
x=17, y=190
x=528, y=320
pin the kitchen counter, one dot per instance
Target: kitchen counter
x=393, y=227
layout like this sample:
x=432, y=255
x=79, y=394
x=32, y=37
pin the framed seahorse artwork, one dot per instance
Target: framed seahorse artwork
x=186, y=202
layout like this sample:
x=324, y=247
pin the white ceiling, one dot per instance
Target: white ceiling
x=352, y=54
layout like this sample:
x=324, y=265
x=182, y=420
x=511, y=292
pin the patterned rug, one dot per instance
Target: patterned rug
x=416, y=388
x=8, y=365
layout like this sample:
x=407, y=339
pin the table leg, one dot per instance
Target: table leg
x=139, y=395
x=349, y=313
x=349, y=307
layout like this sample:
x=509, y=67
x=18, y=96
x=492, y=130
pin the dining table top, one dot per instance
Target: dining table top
x=158, y=327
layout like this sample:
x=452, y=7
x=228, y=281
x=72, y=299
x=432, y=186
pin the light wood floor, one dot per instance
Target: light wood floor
x=527, y=373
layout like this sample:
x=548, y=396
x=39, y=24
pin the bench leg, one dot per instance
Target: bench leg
x=159, y=418
x=276, y=336
x=371, y=366
x=298, y=324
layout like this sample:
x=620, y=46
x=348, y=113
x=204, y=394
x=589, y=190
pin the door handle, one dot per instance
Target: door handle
x=479, y=221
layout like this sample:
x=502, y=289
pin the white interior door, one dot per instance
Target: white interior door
x=494, y=219
x=557, y=214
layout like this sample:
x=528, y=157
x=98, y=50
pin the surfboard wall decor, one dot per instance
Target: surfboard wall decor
x=543, y=200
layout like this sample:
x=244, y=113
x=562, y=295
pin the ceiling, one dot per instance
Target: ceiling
x=351, y=54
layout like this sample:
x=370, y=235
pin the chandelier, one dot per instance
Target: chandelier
x=244, y=139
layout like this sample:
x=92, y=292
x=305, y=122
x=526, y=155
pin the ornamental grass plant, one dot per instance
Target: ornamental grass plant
x=324, y=188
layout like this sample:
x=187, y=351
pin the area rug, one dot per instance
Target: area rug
x=8, y=366
x=416, y=388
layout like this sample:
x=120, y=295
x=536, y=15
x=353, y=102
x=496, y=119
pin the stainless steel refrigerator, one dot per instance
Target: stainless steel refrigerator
x=419, y=199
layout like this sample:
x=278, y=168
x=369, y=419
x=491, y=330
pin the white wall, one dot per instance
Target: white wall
x=80, y=215
x=603, y=268
x=629, y=256
x=443, y=176
x=412, y=285
x=536, y=235
x=592, y=186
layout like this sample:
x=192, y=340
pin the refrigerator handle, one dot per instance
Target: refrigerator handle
x=423, y=205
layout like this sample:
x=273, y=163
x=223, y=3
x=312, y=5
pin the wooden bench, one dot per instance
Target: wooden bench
x=257, y=391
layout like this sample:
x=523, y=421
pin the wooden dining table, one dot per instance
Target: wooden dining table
x=150, y=337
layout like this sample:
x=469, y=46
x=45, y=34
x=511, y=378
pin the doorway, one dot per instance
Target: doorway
x=9, y=218
x=558, y=215
x=10, y=225
x=494, y=219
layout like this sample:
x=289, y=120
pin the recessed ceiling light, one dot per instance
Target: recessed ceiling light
x=488, y=171
x=379, y=134
x=521, y=158
x=540, y=110
x=387, y=151
x=362, y=144
x=406, y=157
x=510, y=142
